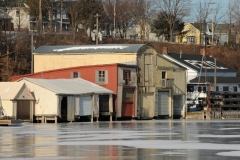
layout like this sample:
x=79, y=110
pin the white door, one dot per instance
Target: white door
x=85, y=106
x=163, y=103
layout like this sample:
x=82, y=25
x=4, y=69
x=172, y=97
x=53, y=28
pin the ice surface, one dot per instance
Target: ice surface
x=171, y=139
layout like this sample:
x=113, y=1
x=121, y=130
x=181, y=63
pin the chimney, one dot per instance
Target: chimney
x=202, y=51
x=165, y=50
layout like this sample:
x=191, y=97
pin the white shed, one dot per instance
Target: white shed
x=17, y=101
x=66, y=99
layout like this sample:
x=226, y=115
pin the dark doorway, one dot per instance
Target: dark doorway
x=64, y=109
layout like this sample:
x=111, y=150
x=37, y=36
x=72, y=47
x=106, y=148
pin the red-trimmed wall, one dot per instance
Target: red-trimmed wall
x=87, y=73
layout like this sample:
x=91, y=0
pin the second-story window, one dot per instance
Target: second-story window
x=17, y=13
x=164, y=74
x=101, y=76
x=127, y=77
x=75, y=75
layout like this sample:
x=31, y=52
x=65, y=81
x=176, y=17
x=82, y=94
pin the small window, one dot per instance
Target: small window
x=127, y=76
x=204, y=89
x=225, y=88
x=190, y=88
x=217, y=88
x=101, y=76
x=17, y=13
x=164, y=75
x=234, y=88
x=75, y=75
x=199, y=89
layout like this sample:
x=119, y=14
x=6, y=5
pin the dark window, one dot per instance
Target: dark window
x=217, y=88
x=204, y=89
x=199, y=89
x=138, y=79
x=190, y=88
x=17, y=13
x=127, y=76
x=75, y=74
x=164, y=75
x=234, y=88
x=225, y=88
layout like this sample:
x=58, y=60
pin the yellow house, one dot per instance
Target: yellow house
x=191, y=33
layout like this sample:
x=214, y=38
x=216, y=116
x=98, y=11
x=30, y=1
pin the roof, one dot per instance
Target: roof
x=194, y=61
x=78, y=49
x=11, y=90
x=76, y=86
x=219, y=80
x=199, y=26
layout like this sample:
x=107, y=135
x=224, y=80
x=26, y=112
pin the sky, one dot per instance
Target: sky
x=224, y=4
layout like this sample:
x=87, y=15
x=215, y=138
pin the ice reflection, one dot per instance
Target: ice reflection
x=141, y=140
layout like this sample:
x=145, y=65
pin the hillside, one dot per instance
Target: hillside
x=15, y=57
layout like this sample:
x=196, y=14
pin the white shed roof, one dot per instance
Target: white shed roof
x=76, y=86
x=14, y=90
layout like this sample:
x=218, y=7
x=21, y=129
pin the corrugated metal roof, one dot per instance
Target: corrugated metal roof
x=219, y=80
x=76, y=86
x=9, y=90
x=78, y=49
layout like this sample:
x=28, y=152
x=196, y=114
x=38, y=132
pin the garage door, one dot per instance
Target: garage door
x=177, y=105
x=85, y=106
x=163, y=103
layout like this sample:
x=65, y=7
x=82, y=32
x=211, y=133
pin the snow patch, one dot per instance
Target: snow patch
x=90, y=47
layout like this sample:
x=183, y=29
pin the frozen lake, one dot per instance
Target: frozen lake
x=123, y=140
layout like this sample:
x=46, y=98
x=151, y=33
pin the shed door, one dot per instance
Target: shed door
x=23, y=110
x=177, y=105
x=128, y=102
x=85, y=106
x=163, y=103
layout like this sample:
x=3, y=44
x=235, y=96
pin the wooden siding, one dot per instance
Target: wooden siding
x=53, y=61
x=180, y=86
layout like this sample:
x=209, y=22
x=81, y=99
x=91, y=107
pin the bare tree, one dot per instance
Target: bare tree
x=175, y=10
x=202, y=10
x=129, y=13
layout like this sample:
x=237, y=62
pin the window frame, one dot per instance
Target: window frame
x=224, y=87
x=127, y=76
x=17, y=13
x=101, y=77
x=164, y=74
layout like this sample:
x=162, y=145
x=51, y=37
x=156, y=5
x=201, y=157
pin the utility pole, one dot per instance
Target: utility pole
x=61, y=17
x=114, y=18
x=215, y=74
x=212, y=21
x=40, y=16
x=97, y=27
x=32, y=53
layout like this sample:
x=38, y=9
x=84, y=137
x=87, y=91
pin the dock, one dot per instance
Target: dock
x=11, y=122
